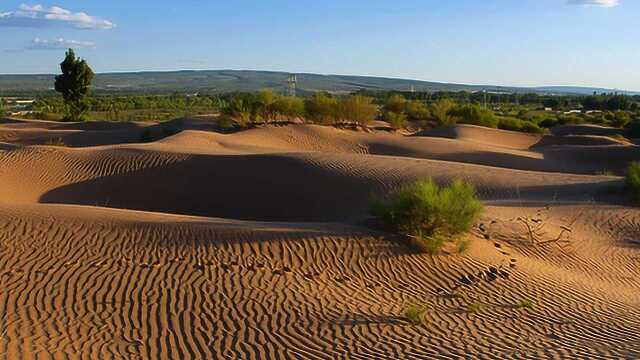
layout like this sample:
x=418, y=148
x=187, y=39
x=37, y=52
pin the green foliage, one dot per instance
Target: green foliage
x=397, y=120
x=620, y=119
x=238, y=110
x=290, y=107
x=74, y=85
x=524, y=304
x=632, y=180
x=429, y=213
x=440, y=111
x=474, y=115
x=358, y=109
x=513, y=124
x=321, y=108
x=416, y=313
x=474, y=308
x=265, y=105
x=395, y=104
x=417, y=110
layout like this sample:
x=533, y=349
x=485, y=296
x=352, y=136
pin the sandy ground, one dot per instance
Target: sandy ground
x=253, y=245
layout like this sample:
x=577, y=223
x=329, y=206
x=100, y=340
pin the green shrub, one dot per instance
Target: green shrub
x=290, y=107
x=513, y=124
x=358, y=109
x=532, y=128
x=239, y=110
x=321, y=108
x=473, y=115
x=417, y=110
x=509, y=123
x=632, y=180
x=548, y=123
x=431, y=214
x=397, y=120
x=440, y=111
x=395, y=104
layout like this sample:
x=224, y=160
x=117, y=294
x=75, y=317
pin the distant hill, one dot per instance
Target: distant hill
x=248, y=80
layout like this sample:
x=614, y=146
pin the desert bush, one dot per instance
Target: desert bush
x=239, y=110
x=620, y=119
x=417, y=110
x=358, y=109
x=532, y=128
x=430, y=214
x=548, y=123
x=321, y=108
x=397, y=120
x=440, y=111
x=290, y=107
x=513, y=124
x=569, y=119
x=632, y=180
x=37, y=115
x=395, y=104
x=473, y=115
x=509, y=123
x=265, y=105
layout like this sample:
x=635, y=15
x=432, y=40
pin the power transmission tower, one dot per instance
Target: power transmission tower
x=293, y=84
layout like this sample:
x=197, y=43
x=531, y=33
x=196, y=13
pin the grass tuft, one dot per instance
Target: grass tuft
x=416, y=313
x=524, y=304
x=474, y=308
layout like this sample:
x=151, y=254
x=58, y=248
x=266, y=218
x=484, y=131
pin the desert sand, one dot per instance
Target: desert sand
x=253, y=245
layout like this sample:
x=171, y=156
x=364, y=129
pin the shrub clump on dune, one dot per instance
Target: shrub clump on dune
x=428, y=213
x=632, y=180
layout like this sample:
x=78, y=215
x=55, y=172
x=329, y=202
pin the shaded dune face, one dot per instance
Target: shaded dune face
x=282, y=186
x=251, y=246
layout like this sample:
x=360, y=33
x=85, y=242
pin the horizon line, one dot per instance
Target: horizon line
x=614, y=89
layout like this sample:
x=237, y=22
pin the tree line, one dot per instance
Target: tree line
x=399, y=109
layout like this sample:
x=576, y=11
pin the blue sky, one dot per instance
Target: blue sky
x=502, y=42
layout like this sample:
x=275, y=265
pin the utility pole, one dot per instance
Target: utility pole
x=292, y=82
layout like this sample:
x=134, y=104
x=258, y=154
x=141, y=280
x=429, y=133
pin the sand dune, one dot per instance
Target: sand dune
x=487, y=136
x=253, y=245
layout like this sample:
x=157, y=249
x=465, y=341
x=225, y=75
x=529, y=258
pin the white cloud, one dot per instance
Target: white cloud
x=600, y=3
x=59, y=44
x=40, y=16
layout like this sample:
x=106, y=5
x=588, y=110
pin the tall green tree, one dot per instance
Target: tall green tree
x=74, y=85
